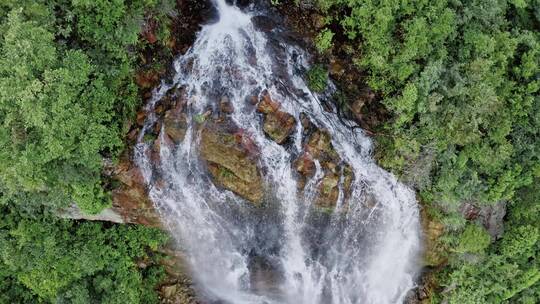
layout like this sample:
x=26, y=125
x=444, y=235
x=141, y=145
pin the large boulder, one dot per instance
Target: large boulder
x=336, y=173
x=106, y=215
x=320, y=146
x=278, y=124
x=328, y=191
x=175, y=123
x=230, y=162
x=130, y=197
x=131, y=204
x=491, y=216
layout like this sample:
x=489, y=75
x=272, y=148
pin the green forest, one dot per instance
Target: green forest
x=66, y=94
x=459, y=79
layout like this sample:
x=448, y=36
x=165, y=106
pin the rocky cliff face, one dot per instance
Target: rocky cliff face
x=230, y=155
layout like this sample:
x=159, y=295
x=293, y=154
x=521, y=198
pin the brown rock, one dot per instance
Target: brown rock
x=267, y=105
x=320, y=146
x=177, y=288
x=305, y=165
x=141, y=117
x=337, y=68
x=147, y=79
x=175, y=125
x=277, y=124
x=357, y=106
x=434, y=253
x=318, y=21
x=130, y=177
x=149, y=31
x=329, y=191
x=225, y=105
x=230, y=164
x=226, y=178
x=348, y=177
x=130, y=198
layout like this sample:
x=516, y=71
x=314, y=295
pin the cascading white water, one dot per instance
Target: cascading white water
x=364, y=253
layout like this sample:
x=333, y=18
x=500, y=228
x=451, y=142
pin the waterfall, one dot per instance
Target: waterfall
x=285, y=250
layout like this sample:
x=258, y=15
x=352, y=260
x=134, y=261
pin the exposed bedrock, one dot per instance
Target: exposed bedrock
x=230, y=163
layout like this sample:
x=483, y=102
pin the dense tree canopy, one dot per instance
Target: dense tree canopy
x=62, y=261
x=461, y=80
x=66, y=94
x=66, y=83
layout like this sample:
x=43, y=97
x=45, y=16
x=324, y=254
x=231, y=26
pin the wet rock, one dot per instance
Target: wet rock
x=225, y=105
x=130, y=197
x=307, y=125
x=175, y=125
x=247, y=189
x=328, y=191
x=180, y=292
x=337, y=175
x=267, y=105
x=141, y=117
x=348, y=177
x=148, y=79
x=305, y=165
x=423, y=292
x=177, y=287
x=320, y=146
x=278, y=125
x=230, y=164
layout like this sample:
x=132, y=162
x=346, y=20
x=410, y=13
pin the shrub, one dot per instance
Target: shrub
x=317, y=78
x=474, y=239
x=323, y=41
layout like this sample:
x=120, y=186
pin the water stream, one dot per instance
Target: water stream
x=287, y=251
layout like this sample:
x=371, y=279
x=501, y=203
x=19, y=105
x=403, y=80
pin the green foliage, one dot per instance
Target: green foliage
x=66, y=90
x=461, y=82
x=317, y=78
x=66, y=93
x=60, y=261
x=510, y=269
x=474, y=239
x=323, y=41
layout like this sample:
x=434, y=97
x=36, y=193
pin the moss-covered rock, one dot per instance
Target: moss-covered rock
x=175, y=125
x=336, y=173
x=230, y=163
x=278, y=125
x=434, y=252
